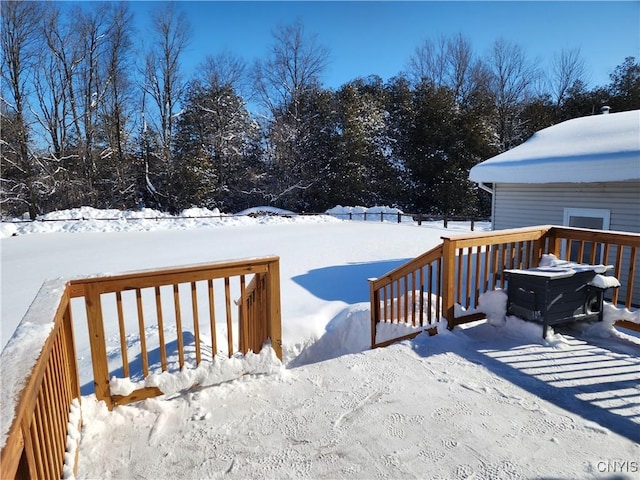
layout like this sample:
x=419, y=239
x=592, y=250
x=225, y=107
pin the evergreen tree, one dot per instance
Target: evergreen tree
x=400, y=123
x=445, y=141
x=362, y=172
x=216, y=149
x=625, y=86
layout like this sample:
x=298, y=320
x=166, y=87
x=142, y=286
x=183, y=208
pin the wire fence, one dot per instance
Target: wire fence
x=382, y=216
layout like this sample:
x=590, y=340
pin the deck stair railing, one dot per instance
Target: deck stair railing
x=172, y=301
x=447, y=281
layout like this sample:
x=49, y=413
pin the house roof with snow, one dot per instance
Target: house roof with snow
x=598, y=148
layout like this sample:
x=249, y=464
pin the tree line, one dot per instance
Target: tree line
x=88, y=118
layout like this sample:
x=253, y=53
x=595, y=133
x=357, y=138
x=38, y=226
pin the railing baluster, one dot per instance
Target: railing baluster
x=486, y=259
x=227, y=297
x=52, y=422
x=519, y=252
x=160, y=319
x=618, y=271
x=504, y=253
x=459, y=261
x=196, y=321
x=421, y=298
x=123, y=335
x=60, y=429
x=39, y=441
x=388, y=295
x=494, y=265
x=180, y=339
x=580, y=258
x=143, y=334
x=469, y=269
x=605, y=254
x=438, y=289
x=631, y=276
x=65, y=360
x=429, y=292
x=476, y=283
x=243, y=326
x=405, y=283
x=413, y=298
x=594, y=251
x=212, y=317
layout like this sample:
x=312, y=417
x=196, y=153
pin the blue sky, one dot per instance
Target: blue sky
x=379, y=37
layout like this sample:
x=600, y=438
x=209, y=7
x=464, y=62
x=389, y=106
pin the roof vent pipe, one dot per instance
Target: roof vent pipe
x=605, y=109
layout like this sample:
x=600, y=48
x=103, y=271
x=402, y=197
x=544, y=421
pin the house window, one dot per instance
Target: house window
x=593, y=218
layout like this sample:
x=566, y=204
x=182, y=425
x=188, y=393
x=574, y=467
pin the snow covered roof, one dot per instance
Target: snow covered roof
x=598, y=148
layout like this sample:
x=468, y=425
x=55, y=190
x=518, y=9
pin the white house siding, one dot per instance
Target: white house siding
x=522, y=205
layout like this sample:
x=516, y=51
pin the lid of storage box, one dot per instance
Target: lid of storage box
x=564, y=271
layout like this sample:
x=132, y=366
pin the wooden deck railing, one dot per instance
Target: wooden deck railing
x=39, y=368
x=173, y=302
x=463, y=267
x=40, y=381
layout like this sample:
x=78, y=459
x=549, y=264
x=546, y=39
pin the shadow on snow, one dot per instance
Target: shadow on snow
x=346, y=283
x=600, y=384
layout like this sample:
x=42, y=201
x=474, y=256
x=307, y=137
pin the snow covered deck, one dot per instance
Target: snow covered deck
x=485, y=401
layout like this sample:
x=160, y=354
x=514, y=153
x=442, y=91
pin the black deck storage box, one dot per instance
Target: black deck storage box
x=554, y=295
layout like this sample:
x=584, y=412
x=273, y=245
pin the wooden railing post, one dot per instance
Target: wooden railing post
x=98, y=345
x=374, y=298
x=555, y=243
x=274, y=308
x=448, y=280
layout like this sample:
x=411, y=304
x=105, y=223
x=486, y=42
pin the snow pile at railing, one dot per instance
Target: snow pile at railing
x=74, y=426
x=494, y=305
x=220, y=370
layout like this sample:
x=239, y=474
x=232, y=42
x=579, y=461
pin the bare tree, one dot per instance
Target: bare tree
x=447, y=62
x=223, y=70
x=71, y=87
x=19, y=43
x=163, y=80
x=115, y=110
x=567, y=68
x=295, y=64
x=461, y=62
x=93, y=81
x=511, y=77
x=54, y=87
x=165, y=87
x=429, y=62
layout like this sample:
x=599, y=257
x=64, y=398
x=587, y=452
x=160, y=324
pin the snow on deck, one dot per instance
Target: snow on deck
x=481, y=402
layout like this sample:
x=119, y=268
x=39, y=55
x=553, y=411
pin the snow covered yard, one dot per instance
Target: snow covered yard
x=491, y=400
